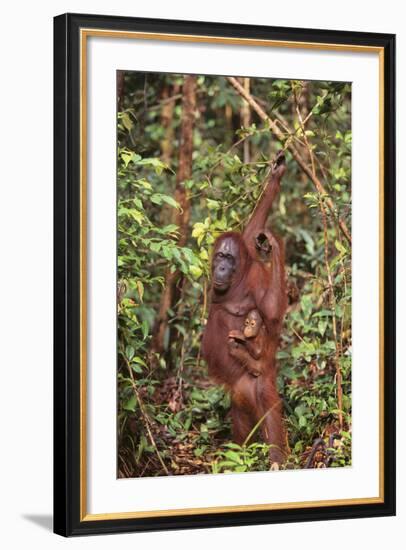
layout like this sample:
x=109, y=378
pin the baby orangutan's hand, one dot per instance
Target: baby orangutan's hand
x=254, y=372
x=236, y=335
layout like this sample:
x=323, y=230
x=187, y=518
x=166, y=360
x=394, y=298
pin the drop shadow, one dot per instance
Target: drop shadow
x=42, y=520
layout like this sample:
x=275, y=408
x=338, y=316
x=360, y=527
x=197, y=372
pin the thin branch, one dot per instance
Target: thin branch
x=302, y=126
x=289, y=145
x=145, y=416
x=258, y=424
x=333, y=311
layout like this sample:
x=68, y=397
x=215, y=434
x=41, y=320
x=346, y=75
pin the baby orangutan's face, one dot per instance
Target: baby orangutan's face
x=252, y=324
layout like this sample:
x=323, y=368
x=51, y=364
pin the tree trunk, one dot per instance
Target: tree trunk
x=181, y=217
x=169, y=101
x=168, y=97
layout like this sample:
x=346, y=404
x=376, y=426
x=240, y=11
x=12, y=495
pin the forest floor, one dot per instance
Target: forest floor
x=191, y=431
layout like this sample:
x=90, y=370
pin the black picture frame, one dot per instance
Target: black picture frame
x=67, y=351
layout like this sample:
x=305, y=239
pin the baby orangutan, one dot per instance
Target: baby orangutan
x=247, y=346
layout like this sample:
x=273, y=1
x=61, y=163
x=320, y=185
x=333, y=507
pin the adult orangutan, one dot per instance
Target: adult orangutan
x=243, y=281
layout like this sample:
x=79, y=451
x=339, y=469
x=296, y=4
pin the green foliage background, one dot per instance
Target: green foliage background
x=171, y=419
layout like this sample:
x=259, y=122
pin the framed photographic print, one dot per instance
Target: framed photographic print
x=224, y=274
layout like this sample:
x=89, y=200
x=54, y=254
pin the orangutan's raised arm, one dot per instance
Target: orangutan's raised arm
x=260, y=215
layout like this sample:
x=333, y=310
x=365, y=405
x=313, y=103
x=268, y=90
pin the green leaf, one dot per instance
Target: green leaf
x=300, y=410
x=340, y=247
x=126, y=158
x=138, y=203
x=131, y=404
x=171, y=201
x=144, y=183
x=198, y=230
x=140, y=288
x=137, y=215
x=136, y=368
x=195, y=271
x=145, y=329
x=233, y=456
x=127, y=122
x=213, y=205
x=129, y=352
x=172, y=228
x=156, y=198
x=140, y=361
x=321, y=326
x=322, y=313
x=203, y=254
x=159, y=198
x=302, y=421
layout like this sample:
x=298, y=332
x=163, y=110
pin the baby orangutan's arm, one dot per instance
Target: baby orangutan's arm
x=252, y=346
x=240, y=352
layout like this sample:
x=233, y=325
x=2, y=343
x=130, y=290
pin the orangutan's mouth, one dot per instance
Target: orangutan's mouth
x=220, y=284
